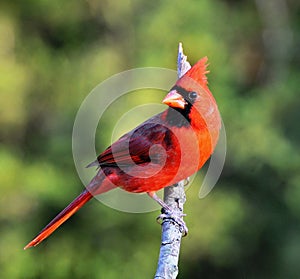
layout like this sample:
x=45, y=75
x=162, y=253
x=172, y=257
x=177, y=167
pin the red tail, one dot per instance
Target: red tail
x=75, y=205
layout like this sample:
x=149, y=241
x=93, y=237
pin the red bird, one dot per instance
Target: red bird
x=163, y=150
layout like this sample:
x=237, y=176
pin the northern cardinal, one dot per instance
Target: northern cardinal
x=163, y=150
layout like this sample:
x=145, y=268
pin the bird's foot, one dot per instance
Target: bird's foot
x=186, y=181
x=176, y=217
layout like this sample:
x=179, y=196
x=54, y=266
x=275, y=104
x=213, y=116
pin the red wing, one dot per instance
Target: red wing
x=133, y=148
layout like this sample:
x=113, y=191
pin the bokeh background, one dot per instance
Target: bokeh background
x=53, y=53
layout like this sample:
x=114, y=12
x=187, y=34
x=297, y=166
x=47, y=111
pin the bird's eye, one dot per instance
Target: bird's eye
x=193, y=95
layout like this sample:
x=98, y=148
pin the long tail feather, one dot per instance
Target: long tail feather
x=64, y=215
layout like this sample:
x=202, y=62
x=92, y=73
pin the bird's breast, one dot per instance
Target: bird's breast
x=182, y=154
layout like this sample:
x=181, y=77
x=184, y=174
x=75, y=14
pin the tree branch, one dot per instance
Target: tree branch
x=174, y=197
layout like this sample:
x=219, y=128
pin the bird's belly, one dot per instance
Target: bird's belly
x=153, y=177
x=181, y=162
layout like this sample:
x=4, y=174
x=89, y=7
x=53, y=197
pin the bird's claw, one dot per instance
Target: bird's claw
x=176, y=217
x=186, y=181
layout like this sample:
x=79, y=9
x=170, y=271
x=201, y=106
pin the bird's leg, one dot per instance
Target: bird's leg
x=159, y=201
x=186, y=181
x=169, y=213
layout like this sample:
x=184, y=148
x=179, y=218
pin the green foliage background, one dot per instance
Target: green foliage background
x=53, y=53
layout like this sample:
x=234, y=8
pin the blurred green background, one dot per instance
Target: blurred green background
x=53, y=53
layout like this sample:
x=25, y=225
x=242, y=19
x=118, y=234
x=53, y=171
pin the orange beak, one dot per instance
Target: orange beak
x=174, y=100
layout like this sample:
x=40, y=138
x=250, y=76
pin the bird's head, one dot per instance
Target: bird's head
x=191, y=97
x=189, y=88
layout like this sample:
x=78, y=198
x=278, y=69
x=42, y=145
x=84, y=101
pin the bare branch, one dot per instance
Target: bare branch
x=174, y=197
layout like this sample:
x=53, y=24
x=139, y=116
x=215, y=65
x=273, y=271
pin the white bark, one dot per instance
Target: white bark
x=174, y=197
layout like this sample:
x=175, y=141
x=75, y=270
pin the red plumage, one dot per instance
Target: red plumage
x=163, y=150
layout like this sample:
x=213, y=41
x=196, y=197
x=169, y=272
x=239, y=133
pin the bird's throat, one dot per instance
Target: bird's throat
x=179, y=117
